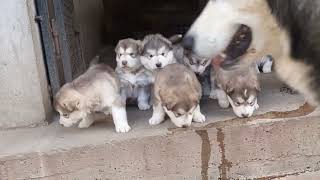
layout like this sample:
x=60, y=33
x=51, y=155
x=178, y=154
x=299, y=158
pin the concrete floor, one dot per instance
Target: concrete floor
x=281, y=141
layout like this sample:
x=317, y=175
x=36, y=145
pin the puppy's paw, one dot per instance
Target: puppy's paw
x=144, y=106
x=199, y=118
x=213, y=95
x=256, y=106
x=155, y=121
x=123, y=128
x=224, y=104
x=85, y=124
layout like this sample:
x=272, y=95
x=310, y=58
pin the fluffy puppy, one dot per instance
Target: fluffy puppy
x=157, y=52
x=135, y=78
x=238, y=86
x=177, y=93
x=201, y=67
x=97, y=90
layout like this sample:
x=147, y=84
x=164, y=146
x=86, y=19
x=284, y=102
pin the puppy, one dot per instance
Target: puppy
x=135, y=79
x=201, y=67
x=157, y=52
x=97, y=90
x=177, y=93
x=238, y=86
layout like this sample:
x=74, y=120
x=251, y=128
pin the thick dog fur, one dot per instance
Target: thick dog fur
x=134, y=77
x=157, y=52
x=177, y=93
x=97, y=90
x=237, y=86
x=288, y=30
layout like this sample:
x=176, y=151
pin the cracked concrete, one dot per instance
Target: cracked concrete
x=281, y=141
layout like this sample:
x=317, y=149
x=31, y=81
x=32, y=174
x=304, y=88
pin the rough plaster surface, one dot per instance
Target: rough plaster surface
x=23, y=93
x=271, y=145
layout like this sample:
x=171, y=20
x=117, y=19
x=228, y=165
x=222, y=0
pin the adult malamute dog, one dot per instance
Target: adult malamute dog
x=289, y=30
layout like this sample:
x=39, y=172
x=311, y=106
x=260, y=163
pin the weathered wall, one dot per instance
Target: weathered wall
x=23, y=94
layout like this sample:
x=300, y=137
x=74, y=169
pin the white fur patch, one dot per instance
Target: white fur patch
x=119, y=115
x=244, y=110
x=151, y=51
x=121, y=50
x=157, y=115
x=161, y=50
x=129, y=50
x=182, y=121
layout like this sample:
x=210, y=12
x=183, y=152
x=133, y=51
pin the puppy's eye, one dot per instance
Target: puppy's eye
x=252, y=103
x=204, y=63
x=132, y=55
x=65, y=115
x=192, y=63
x=150, y=56
x=163, y=54
x=237, y=104
x=178, y=114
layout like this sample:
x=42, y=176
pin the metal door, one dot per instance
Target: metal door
x=60, y=40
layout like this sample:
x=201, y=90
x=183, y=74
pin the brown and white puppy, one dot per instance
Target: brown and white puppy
x=134, y=77
x=97, y=90
x=177, y=93
x=157, y=52
x=238, y=86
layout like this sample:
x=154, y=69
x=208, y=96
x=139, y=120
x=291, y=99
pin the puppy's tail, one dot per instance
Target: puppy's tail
x=175, y=39
x=95, y=60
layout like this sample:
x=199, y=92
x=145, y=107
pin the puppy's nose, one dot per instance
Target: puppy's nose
x=124, y=63
x=158, y=65
x=245, y=115
x=188, y=42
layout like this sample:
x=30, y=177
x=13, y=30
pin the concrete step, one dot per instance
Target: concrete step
x=282, y=140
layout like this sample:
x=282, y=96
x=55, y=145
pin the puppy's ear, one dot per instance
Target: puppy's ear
x=78, y=104
x=72, y=105
x=170, y=106
x=160, y=36
x=229, y=88
x=257, y=86
x=140, y=46
x=116, y=49
x=253, y=77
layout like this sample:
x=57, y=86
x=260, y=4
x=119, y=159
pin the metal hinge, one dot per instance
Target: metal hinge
x=38, y=18
x=55, y=35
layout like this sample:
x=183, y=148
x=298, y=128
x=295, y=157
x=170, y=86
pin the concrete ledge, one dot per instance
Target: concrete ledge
x=268, y=146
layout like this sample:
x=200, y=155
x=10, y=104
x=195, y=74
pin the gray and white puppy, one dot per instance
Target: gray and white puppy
x=134, y=77
x=201, y=67
x=177, y=93
x=238, y=86
x=157, y=52
x=97, y=90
